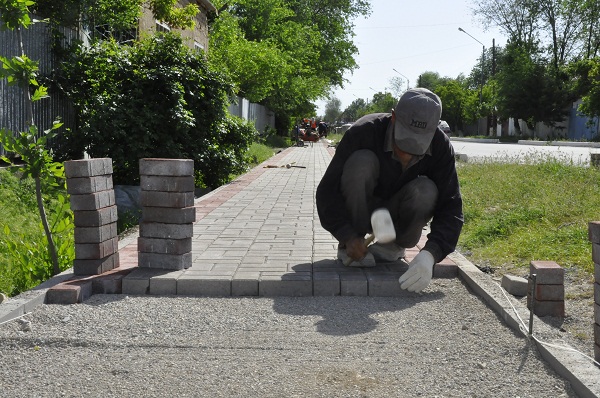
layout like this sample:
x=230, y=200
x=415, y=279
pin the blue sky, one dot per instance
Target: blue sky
x=413, y=36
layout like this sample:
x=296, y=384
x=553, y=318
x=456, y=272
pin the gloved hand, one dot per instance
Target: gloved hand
x=420, y=271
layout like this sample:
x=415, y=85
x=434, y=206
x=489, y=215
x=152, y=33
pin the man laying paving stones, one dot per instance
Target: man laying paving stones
x=403, y=163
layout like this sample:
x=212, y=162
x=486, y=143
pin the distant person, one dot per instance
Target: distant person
x=404, y=163
x=322, y=129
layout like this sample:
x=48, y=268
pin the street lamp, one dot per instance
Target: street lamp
x=407, y=81
x=482, y=60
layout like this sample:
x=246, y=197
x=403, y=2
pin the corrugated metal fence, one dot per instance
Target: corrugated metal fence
x=261, y=116
x=37, y=44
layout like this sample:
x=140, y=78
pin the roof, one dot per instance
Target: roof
x=207, y=5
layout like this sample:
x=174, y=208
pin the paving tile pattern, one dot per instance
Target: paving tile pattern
x=260, y=236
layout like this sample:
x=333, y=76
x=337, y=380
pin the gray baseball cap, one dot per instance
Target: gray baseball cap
x=417, y=115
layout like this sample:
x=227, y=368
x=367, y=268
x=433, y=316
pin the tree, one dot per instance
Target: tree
x=516, y=18
x=355, y=110
x=333, y=110
x=285, y=54
x=38, y=163
x=382, y=103
x=452, y=94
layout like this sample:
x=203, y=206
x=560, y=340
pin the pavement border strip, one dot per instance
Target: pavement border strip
x=584, y=377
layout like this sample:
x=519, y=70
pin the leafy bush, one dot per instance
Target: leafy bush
x=156, y=98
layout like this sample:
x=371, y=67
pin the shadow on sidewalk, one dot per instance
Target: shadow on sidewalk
x=345, y=316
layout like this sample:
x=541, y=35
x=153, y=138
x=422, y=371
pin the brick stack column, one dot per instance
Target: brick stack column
x=168, y=213
x=89, y=183
x=594, y=236
x=549, y=295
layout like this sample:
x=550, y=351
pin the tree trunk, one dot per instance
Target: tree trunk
x=42, y=211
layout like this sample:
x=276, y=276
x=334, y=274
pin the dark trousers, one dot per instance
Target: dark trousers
x=411, y=207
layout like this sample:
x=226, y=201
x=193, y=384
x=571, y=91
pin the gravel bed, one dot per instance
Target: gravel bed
x=443, y=343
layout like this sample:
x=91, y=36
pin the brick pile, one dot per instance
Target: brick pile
x=168, y=213
x=594, y=236
x=549, y=294
x=89, y=183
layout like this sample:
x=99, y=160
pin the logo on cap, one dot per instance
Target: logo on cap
x=418, y=124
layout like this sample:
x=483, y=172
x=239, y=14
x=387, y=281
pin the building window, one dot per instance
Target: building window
x=162, y=27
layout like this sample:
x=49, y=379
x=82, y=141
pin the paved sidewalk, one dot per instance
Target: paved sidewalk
x=260, y=236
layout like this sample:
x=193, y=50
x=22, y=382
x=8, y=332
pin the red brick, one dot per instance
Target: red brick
x=548, y=308
x=90, y=251
x=70, y=292
x=550, y=292
x=547, y=272
x=96, y=266
x=445, y=269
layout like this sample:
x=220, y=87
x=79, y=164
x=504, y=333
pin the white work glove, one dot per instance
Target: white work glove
x=420, y=271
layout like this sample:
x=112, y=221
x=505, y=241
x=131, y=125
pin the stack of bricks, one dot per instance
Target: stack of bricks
x=89, y=183
x=168, y=213
x=549, y=295
x=594, y=236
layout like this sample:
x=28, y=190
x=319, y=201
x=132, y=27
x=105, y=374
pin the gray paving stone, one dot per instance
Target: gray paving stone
x=88, y=167
x=245, y=283
x=326, y=283
x=185, y=215
x=164, y=284
x=95, y=217
x=95, y=234
x=353, y=284
x=138, y=280
x=93, y=201
x=166, y=167
x=164, y=261
x=167, y=183
x=286, y=284
x=166, y=231
x=212, y=286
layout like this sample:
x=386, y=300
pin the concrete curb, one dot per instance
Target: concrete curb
x=573, y=366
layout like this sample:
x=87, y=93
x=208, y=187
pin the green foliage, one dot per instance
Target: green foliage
x=590, y=105
x=156, y=98
x=15, y=13
x=285, y=54
x=537, y=210
x=29, y=145
x=23, y=248
x=258, y=153
x=115, y=15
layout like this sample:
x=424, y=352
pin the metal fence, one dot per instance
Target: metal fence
x=262, y=117
x=37, y=46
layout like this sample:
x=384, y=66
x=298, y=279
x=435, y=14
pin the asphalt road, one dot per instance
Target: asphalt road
x=514, y=152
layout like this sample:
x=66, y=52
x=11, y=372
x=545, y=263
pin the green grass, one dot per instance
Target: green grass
x=24, y=258
x=536, y=210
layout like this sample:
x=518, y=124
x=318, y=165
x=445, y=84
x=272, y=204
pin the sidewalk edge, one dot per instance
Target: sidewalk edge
x=583, y=375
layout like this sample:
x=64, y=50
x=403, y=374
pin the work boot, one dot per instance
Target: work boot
x=387, y=251
x=367, y=261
